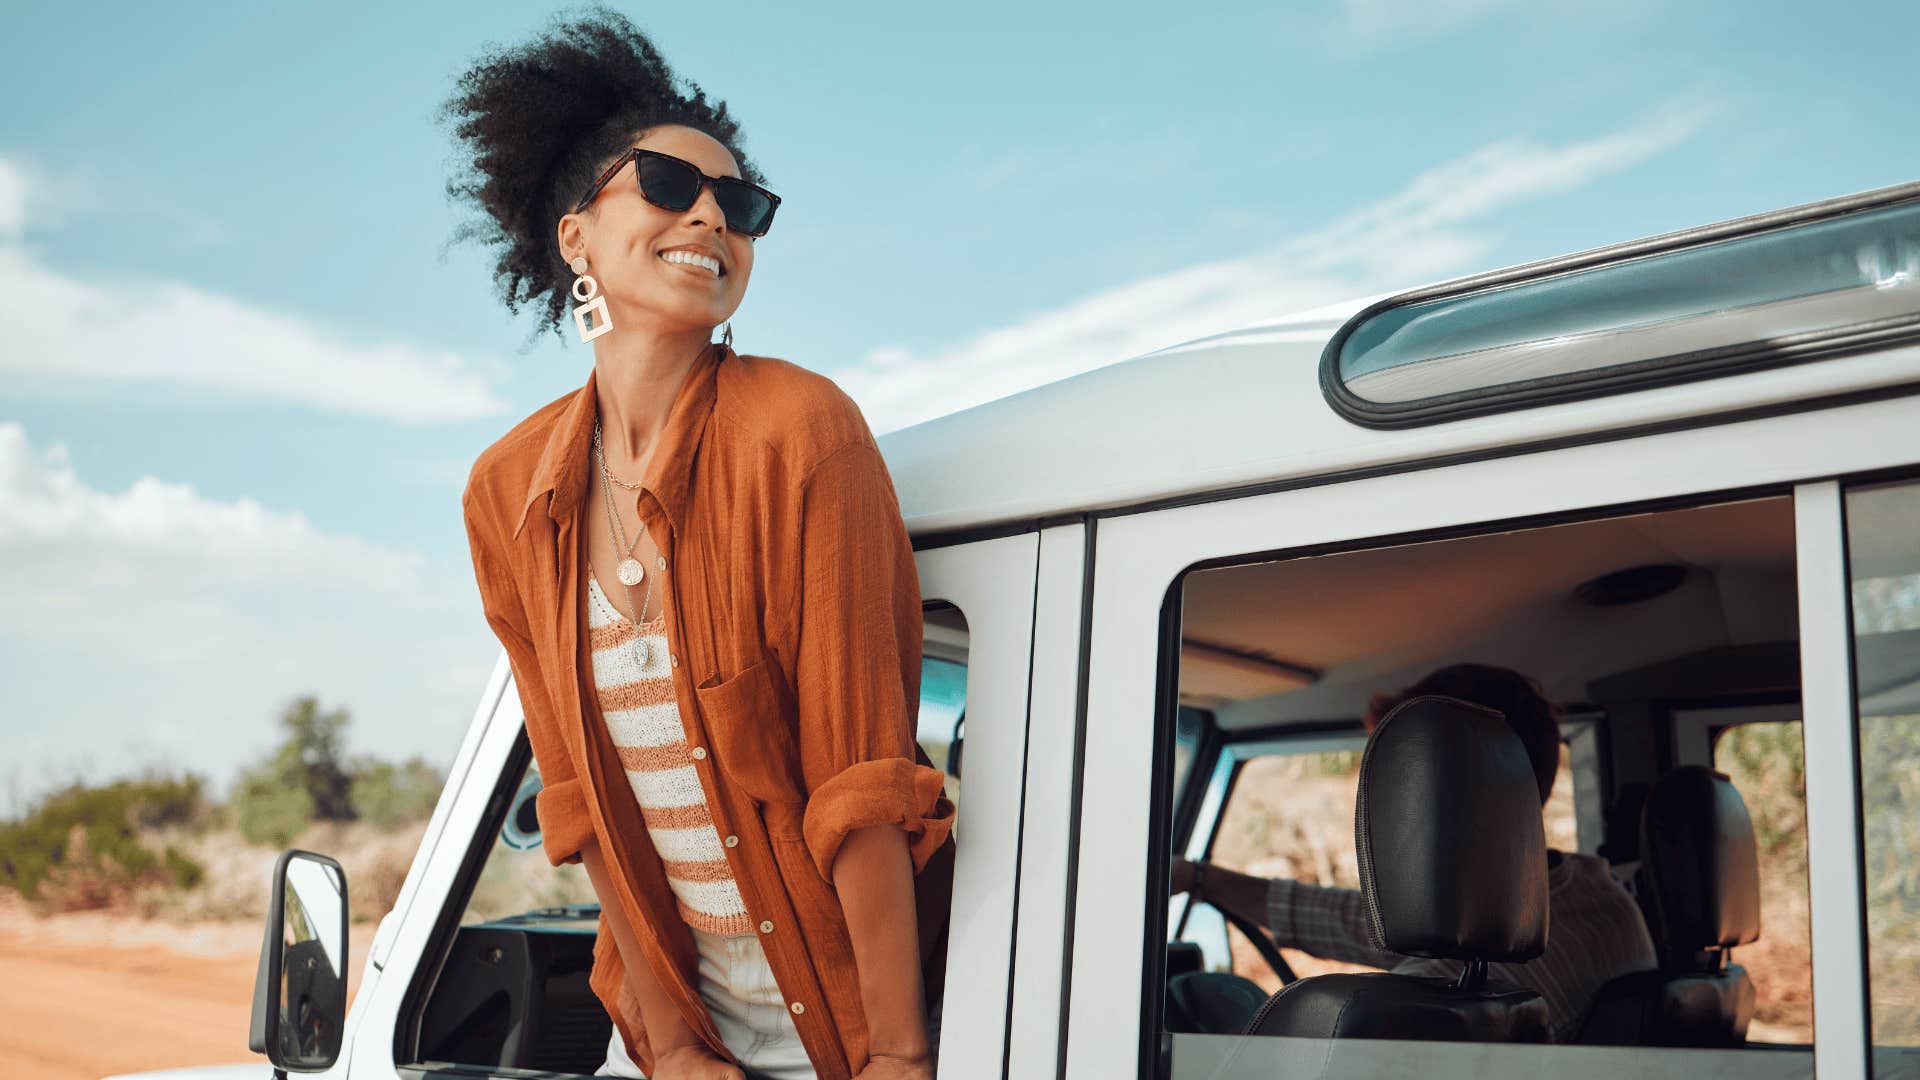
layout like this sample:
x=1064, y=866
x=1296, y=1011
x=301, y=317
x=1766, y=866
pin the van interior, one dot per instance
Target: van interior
x=1667, y=639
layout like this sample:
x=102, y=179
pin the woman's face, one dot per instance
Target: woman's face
x=625, y=237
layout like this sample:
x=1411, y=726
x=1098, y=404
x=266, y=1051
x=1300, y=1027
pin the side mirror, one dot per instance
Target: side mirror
x=300, y=993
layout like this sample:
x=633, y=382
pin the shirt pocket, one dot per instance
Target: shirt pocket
x=753, y=744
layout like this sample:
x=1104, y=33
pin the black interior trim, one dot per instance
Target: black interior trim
x=1154, y=1056
x=1078, y=791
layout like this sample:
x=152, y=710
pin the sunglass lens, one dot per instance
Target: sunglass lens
x=670, y=185
x=747, y=208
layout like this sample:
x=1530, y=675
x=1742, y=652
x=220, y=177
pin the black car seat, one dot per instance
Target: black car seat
x=1700, y=868
x=1453, y=864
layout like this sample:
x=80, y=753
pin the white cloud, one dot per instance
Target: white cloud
x=52, y=527
x=130, y=614
x=171, y=332
x=1416, y=234
x=13, y=202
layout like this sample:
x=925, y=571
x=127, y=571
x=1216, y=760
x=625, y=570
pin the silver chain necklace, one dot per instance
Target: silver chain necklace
x=630, y=571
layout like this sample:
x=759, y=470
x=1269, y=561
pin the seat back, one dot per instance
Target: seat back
x=1453, y=865
x=1700, y=867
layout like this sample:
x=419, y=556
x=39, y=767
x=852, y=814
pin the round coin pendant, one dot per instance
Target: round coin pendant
x=630, y=572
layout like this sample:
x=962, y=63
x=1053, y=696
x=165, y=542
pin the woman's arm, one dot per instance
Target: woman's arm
x=874, y=877
x=874, y=814
x=678, y=1053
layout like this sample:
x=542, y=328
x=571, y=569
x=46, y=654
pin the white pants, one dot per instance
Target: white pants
x=738, y=986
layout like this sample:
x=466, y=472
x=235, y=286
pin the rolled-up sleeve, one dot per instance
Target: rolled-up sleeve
x=561, y=806
x=857, y=667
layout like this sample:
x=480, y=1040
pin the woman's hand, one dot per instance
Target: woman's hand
x=888, y=1067
x=699, y=1063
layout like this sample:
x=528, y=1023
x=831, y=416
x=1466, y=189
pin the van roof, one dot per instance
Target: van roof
x=1245, y=408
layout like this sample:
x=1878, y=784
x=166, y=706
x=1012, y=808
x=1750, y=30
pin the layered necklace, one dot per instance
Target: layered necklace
x=630, y=571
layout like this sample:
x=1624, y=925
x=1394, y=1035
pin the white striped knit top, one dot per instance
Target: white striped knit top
x=644, y=720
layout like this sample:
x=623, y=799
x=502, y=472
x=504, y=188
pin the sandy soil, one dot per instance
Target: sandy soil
x=91, y=994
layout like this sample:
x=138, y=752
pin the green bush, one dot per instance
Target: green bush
x=94, y=831
x=390, y=795
x=268, y=810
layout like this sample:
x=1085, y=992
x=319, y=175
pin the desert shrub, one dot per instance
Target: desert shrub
x=389, y=795
x=82, y=845
x=270, y=811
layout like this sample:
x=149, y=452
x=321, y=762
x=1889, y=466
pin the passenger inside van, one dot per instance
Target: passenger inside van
x=1596, y=930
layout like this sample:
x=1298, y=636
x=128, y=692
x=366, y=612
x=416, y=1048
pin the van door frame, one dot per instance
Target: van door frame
x=991, y=582
x=1117, y=928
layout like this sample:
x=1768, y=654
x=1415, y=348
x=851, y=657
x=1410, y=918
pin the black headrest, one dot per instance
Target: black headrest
x=1453, y=856
x=1700, y=860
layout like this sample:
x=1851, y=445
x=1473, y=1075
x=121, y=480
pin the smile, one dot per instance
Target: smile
x=694, y=259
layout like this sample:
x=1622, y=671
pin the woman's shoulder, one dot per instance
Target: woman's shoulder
x=800, y=413
x=507, y=463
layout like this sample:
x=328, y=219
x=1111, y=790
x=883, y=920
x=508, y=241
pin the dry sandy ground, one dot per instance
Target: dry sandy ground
x=91, y=994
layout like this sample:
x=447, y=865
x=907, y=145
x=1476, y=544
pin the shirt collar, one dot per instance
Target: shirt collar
x=566, y=460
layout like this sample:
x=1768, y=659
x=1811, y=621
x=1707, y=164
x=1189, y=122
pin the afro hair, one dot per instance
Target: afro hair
x=539, y=121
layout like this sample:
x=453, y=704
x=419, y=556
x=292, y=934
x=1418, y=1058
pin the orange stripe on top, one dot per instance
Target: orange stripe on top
x=653, y=691
x=739, y=925
x=706, y=870
x=690, y=816
x=672, y=755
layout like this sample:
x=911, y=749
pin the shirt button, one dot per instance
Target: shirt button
x=766, y=926
x=661, y=562
x=674, y=658
x=797, y=1008
x=733, y=841
x=699, y=753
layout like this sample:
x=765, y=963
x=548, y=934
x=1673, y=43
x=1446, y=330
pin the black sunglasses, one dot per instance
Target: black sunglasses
x=671, y=183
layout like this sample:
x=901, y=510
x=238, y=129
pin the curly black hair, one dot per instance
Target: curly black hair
x=540, y=120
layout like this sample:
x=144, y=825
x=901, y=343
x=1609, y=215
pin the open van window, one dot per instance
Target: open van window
x=1599, y=638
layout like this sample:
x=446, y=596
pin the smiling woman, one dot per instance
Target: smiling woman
x=714, y=621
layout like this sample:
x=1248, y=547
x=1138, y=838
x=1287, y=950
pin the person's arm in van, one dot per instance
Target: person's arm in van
x=1328, y=922
x=678, y=1053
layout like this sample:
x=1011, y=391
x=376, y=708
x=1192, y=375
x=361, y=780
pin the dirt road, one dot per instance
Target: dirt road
x=90, y=995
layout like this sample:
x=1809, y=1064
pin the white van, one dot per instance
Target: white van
x=1676, y=482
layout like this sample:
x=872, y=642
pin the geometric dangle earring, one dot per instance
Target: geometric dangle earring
x=587, y=292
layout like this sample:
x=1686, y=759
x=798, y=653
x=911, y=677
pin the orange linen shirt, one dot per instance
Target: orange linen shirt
x=794, y=626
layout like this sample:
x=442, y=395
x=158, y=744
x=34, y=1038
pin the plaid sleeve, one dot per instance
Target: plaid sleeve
x=1328, y=922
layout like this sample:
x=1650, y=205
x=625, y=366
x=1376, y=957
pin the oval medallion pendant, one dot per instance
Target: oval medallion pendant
x=630, y=571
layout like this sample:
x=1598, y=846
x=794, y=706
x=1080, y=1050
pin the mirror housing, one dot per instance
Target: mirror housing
x=300, y=991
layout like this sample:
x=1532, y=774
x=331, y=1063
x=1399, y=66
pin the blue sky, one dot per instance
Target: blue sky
x=242, y=375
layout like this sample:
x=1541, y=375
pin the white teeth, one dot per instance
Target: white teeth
x=692, y=258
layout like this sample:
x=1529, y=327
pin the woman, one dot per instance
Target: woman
x=697, y=566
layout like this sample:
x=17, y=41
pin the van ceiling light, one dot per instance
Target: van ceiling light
x=1814, y=281
x=1632, y=585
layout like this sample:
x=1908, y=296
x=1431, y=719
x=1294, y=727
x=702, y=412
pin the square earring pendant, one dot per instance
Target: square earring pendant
x=581, y=311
